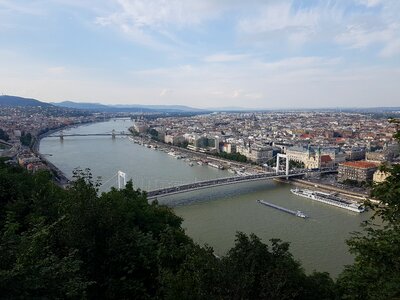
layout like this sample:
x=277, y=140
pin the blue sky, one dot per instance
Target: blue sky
x=203, y=53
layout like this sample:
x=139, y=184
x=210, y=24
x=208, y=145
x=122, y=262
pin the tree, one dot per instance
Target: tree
x=376, y=271
x=26, y=139
x=3, y=135
x=78, y=243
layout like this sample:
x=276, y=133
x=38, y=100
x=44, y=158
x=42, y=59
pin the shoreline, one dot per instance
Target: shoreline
x=60, y=178
x=356, y=197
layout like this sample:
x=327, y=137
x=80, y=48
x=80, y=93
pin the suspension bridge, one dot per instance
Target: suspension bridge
x=113, y=134
x=188, y=187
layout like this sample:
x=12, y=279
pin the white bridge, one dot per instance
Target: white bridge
x=188, y=187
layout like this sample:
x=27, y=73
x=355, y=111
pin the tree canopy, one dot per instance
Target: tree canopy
x=375, y=273
x=77, y=243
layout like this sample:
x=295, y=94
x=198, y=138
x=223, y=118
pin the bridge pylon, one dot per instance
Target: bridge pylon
x=278, y=157
x=121, y=179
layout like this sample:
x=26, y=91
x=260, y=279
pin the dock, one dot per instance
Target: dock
x=297, y=213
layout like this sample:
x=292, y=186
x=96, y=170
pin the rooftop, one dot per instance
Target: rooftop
x=359, y=164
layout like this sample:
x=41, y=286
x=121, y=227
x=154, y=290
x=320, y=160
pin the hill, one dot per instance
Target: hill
x=7, y=100
x=127, y=107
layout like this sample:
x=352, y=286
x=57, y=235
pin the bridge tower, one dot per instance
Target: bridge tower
x=113, y=133
x=278, y=157
x=121, y=179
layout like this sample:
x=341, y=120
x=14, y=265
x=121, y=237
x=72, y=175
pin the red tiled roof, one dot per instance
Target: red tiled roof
x=325, y=158
x=359, y=164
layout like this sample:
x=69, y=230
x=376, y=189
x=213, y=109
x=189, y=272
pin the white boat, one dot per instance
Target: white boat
x=328, y=199
x=215, y=166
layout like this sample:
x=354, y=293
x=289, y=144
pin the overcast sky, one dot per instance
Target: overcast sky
x=203, y=53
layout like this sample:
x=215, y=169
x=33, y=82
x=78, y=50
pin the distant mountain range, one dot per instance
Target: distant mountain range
x=6, y=100
x=128, y=108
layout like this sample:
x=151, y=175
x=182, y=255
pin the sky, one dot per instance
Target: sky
x=203, y=53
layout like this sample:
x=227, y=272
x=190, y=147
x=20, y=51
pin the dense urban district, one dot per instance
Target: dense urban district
x=354, y=144
x=70, y=242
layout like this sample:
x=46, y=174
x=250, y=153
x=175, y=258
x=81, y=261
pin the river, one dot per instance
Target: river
x=214, y=215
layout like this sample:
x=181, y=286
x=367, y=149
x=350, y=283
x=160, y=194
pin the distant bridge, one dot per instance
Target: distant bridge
x=113, y=134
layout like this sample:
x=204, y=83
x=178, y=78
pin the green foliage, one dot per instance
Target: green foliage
x=3, y=135
x=76, y=243
x=182, y=144
x=26, y=139
x=233, y=156
x=133, y=131
x=355, y=183
x=376, y=271
x=153, y=132
x=296, y=164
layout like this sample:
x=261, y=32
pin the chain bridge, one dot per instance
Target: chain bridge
x=113, y=134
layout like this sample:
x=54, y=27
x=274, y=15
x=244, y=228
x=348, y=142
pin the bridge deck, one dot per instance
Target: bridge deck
x=184, y=188
x=213, y=183
x=91, y=134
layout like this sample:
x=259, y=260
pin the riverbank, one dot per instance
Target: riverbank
x=200, y=156
x=60, y=178
x=356, y=197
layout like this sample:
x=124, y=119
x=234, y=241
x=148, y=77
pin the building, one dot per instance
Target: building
x=308, y=156
x=355, y=153
x=256, y=153
x=174, y=139
x=380, y=176
x=140, y=126
x=205, y=144
x=360, y=171
x=378, y=156
x=260, y=154
x=228, y=147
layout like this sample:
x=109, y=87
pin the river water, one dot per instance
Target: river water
x=214, y=215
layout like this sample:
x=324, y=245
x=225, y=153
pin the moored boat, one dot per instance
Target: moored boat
x=330, y=199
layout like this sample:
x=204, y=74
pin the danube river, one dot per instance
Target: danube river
x=212, y=216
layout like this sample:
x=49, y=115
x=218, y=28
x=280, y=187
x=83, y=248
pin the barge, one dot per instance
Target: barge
x=296, y=213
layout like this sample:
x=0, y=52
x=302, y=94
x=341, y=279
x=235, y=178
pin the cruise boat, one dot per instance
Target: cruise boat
x=328, y=199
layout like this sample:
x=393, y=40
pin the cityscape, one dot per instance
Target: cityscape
x=356, y=144
x=200, y=149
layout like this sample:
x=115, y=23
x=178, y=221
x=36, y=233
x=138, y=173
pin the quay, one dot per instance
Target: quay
x=297, y=213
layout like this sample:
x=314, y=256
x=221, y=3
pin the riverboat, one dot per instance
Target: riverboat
x=215, y=166
x=327, y=198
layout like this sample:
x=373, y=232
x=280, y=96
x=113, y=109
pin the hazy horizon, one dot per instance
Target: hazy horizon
x=203, y=53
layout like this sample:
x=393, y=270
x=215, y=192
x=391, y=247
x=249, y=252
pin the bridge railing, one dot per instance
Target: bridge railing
x=215, y=182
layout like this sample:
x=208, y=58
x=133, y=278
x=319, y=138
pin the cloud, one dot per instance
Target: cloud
x=336, y=23
x=280, y=16
x=57, y=70
x=224, y=57
x=165, y=92
x=152, y=23
x=370, y=3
